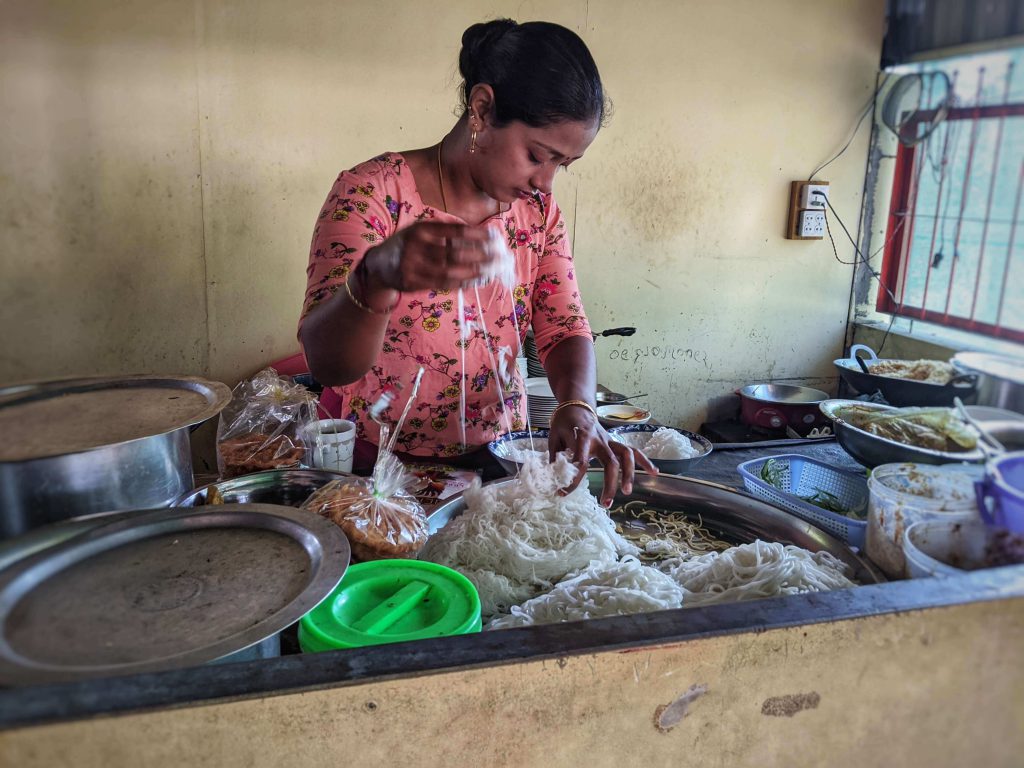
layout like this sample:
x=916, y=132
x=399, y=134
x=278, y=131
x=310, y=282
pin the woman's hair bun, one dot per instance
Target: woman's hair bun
x=476, y=42
x=541, y=73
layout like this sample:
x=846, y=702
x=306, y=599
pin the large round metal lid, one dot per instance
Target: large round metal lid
x=164, y=588
x=999, y=366
x=75, y=415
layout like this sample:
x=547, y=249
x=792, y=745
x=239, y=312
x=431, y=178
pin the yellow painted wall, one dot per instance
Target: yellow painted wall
x=162, y=162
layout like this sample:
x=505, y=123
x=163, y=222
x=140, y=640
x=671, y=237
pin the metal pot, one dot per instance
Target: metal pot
x=81, y=446
x=903, y=392
x=776, y=406
x=1001, y=378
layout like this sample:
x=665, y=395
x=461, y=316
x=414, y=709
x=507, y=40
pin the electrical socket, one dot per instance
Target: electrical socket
x=812, y=223
x=813, y=195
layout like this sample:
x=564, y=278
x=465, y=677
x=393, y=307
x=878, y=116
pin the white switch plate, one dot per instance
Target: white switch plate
x=813, y=195
x=812, y=224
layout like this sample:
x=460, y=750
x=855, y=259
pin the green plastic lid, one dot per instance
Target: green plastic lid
x=392, y=601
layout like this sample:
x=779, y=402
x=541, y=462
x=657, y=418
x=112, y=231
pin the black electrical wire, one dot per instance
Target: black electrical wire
x=864, y=113
x=859, y=258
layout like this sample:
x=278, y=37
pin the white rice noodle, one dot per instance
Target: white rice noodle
x=755, y=570
x=601, y=589
x=666, y=443
x=518, y=539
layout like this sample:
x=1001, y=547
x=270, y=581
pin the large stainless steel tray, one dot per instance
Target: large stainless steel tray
x=164, y=588
x=736, y=517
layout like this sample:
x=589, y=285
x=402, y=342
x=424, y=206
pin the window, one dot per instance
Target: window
x=954, y=249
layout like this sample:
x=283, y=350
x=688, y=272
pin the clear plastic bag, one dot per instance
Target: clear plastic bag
x=379, y=514
x=264, y=424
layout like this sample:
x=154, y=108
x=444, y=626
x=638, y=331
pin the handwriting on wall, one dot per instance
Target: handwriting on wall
x=637, y=355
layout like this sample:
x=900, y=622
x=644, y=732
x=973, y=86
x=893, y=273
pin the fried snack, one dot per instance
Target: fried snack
x=257, y=451
x=377, y=528
x=928, y=371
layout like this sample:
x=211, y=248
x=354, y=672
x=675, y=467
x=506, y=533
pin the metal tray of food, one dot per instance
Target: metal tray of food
x=162, y=589
x=874, y=450
x=734, y=516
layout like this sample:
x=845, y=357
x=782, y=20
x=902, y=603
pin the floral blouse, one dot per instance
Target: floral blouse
x=369, y=204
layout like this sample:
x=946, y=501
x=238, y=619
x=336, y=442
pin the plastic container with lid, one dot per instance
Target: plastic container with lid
x=1001, y=493
x=903, y=494
x=392, y=601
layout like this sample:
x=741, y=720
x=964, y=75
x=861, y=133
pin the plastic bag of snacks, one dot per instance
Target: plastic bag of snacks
x=262, y=426
x=379, y=514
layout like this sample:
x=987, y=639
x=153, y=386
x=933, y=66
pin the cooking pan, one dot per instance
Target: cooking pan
x=903, y=392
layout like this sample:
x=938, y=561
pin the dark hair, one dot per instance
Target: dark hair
x=541, y=73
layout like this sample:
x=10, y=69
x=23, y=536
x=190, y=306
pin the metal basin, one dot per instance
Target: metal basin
x=872, y=450
x=81, y=446
x=287, y=487
x=1001, y=383
x=735, y=516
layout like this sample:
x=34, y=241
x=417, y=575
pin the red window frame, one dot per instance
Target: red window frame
x=896, y=260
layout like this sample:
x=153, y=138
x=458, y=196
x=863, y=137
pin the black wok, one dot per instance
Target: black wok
x=903, y=392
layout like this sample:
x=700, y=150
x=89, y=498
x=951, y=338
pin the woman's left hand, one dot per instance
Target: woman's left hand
x=577, y=430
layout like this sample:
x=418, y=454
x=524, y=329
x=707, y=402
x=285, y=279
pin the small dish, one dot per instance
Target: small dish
x=637, y=436
x=508, y=449
x=622, y=415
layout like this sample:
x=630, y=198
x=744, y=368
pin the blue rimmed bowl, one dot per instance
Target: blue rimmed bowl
x=506, y=447
x=638, y=435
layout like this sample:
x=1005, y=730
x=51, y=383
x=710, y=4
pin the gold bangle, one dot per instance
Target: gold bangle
x=358, y=303
x=567, y=403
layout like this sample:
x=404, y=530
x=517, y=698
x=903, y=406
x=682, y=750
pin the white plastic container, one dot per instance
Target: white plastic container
x=945, y=548
x=904, y=494
x=331, y=444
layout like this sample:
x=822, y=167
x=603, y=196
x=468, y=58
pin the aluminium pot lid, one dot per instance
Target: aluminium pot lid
x=75, y=415
x=163, y=589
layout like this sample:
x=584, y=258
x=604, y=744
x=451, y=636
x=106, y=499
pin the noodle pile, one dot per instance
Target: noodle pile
x=518, y=539
x=674, y=535
x=666, y=443
x=601, y=589
x=755, y=570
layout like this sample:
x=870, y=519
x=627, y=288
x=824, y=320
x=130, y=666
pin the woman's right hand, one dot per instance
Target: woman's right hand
x=430, y=256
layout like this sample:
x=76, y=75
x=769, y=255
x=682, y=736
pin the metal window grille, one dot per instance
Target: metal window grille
x=954, y=253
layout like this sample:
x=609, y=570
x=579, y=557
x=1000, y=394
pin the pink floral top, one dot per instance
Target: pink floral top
x=369, y=204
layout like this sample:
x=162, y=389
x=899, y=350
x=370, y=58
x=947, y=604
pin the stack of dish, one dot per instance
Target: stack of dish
x=540, y=402
x=533, y=366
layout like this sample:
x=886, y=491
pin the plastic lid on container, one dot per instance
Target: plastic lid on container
x=926, y=485
x=392, y=601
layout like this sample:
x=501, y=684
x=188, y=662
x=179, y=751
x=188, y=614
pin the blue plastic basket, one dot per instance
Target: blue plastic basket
x=801, y=476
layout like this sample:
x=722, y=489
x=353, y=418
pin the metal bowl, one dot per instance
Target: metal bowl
x=872, y=450
x=638, y=435
x=287, y=487
x=736, y=517
x=502, y=449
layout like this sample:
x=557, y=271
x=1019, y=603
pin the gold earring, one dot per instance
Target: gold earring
x=472, y=142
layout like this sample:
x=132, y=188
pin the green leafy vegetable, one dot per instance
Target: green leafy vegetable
x=772, y=474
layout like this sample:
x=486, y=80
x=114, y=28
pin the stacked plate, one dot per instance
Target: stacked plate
x=540, y=402
x=533, y=366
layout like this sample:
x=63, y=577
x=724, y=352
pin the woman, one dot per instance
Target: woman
x=401, y=234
